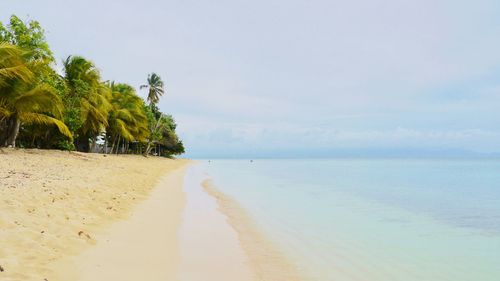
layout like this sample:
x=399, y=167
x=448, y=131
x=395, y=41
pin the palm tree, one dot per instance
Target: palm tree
x=156, y=128
x=127, y=120
x=88, y=98
x=155, y=88
x=23, y=99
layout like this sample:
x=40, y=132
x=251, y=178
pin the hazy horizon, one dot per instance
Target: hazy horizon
x=284, y=78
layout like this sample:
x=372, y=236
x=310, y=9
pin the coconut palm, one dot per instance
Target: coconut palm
x=155, y=88
x=127, y=120
x=24, y=99
x=87, y=99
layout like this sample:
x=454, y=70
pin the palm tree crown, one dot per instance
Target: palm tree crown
x=155, y=88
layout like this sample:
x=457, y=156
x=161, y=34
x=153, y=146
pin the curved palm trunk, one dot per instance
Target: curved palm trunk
x=12, y=131
x=148, y=149
x=112, y=145
x=118, y=144
x=106, y=143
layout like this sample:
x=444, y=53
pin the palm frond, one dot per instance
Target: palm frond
x=42, y=98
x=123, y=131
x=4, y=113
x=42, y=119
x=12, y=64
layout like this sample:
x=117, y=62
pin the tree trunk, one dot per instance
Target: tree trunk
x=33, y=141
x=148, y=149
x=118, y=144
x=13, y=131
x=46, y=142
x=106, y=143
x=112, y=145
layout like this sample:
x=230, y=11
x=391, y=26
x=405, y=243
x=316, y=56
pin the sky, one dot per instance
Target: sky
x=280, y=78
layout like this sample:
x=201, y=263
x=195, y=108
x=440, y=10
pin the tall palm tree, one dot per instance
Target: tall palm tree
x=155, y=88
x=87, y=96
x=23, y=99
x=127, y=120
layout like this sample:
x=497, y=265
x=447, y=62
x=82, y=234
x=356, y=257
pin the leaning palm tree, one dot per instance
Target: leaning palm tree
x=127, y=120
x=87, y=96
x=155, y=88
x=24, y=99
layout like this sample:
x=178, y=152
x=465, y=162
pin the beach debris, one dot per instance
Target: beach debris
x=82, y=233
x=1, y=269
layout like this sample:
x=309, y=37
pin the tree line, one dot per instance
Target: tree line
x=74, y=109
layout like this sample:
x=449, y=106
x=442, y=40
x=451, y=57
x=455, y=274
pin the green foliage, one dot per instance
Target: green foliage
x=41, y=108
x=13, y=66
x=24, y=99
x=128, y=118
x=66, y=145
x=155, y=88
x=86, y=99
x=29, y=36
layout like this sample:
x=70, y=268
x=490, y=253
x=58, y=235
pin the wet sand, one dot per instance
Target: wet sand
x=266, y=261
x=210, y=247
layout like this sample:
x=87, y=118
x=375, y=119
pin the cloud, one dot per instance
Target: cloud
x=263, y=75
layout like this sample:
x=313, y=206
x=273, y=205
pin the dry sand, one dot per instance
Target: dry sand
x=143, y=247
x=56, y=206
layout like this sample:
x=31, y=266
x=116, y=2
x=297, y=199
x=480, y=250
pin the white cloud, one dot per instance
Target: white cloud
x=320, y=73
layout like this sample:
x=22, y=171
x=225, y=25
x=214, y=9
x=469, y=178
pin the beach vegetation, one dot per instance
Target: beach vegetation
x=155, y=88
x=75, y=108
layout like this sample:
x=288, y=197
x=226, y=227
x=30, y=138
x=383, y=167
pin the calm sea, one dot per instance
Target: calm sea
x=374, y=220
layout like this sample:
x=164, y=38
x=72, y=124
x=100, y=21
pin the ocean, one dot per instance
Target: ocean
x=373, y=219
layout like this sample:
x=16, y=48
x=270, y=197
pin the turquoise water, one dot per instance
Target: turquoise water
x=374, y=220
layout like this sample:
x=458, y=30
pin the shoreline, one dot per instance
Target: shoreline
x=90, y=217
x=210, y=248
x=267, y=262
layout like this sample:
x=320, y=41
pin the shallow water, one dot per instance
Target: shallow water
x=377, y=219
x=209, y=247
